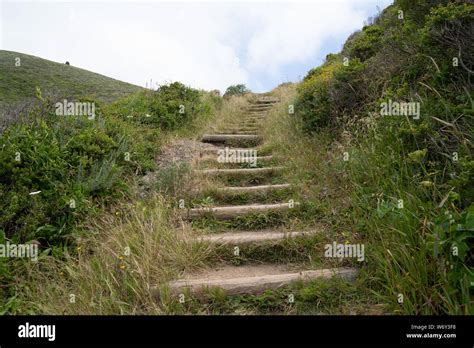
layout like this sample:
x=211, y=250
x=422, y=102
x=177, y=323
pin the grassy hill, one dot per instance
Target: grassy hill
x=18, y=83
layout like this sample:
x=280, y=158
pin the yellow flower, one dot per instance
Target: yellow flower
x=426, y=183
x=417, y=156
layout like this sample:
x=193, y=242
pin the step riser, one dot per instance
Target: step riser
x=257, y=285
x=236, y=132
x=265, y=103
x=243, y=139
x=269, y=101
x=254, y=163
x=253, y=189
x=239, y=128
x=214, y=152
x=228, y=213
x=240, y=172
x=253, y=238
x=251, y=124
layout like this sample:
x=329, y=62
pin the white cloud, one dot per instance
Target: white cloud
x=204, y=44
x=295, y=32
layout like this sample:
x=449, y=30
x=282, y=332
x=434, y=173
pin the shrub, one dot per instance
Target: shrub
x=366, y=43
x=313, y=103
x=236, y=90
x=170, y=107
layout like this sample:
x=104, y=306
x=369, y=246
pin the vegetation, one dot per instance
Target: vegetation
x=20, y=74
x=399, y=184
x=59, y=171
x=236, y=90
x=409, y=178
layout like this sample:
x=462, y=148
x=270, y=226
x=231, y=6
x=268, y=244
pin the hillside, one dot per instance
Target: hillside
x=18, y=83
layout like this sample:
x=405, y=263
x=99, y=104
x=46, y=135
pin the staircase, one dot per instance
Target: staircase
x=255, y=183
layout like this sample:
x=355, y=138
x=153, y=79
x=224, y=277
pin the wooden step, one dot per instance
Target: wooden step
x=253, y=189
x=231, y=212
x=242, y=238
x=214, y=150
x=256, y=113
x=239, y=171
x=248, y=123
x=257, y=283
x=211, y=162
x=219, y=138
x=236, y=131
x=253, y=117
x=214, y=157
x=234, y=127
x=266, y=101
x=259, y=107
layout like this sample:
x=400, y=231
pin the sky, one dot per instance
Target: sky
x=207, y=45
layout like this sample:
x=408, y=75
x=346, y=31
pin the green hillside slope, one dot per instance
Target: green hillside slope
x=18, y=83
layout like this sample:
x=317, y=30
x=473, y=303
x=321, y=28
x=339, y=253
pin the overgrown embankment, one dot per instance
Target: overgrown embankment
x=57, y=172
x=398, y=103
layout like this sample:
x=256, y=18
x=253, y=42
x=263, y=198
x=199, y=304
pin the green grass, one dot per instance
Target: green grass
x=18, y=83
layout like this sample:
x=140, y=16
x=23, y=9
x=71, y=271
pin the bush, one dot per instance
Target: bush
x=366, y=43
x=170, y=107
x=62, y=160
x=236, y=90
x=313, y=103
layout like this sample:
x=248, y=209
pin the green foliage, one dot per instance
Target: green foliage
x=170, y=107
x=236, y=90
x=56, y=171
x=65, y=158
x=366, y=43
x=313, y=102
x=329, y=91
x=416, y=10
x=425, y=162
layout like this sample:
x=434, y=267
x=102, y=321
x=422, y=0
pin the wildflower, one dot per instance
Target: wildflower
x=417, y=156
x=426, y=183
